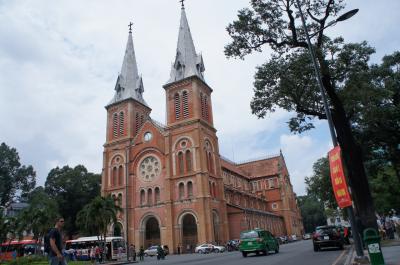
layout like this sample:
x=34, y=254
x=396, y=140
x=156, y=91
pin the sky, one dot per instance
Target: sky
x=59, y=61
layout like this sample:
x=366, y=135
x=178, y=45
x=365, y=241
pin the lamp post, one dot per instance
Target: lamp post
x=350, y=212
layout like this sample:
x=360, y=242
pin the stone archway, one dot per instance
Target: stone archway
x=152, y=232
x=118, y=231
x=189, y=233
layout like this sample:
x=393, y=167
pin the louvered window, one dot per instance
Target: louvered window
x=115, y=125
x=202, y=104
x=137, y=122
x=120, y=176
x=141, y=120
x=177, y=106
x=185, y=104
x=205, y=107
x=121, y=123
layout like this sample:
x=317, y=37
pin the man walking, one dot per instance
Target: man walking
x=55, y=238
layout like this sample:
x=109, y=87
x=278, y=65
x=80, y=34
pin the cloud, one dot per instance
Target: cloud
x=59, y=61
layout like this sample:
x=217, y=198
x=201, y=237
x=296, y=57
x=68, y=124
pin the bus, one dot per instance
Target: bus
x=18, y=248
x=80, y=248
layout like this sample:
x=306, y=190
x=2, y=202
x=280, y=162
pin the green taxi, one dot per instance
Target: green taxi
x=257, y=241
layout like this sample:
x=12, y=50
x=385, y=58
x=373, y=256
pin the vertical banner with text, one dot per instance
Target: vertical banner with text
x=338, y=180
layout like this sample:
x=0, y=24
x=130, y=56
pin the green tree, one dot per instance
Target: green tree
x=319, y=185
x=14, y=177
x=95, y=217
x=39, y=216
x=312, y=212
x=287, y=80
x=72, y=188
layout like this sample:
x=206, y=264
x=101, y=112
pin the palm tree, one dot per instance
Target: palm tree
x=97, y=216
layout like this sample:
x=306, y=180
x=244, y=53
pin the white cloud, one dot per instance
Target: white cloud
x=59, y=61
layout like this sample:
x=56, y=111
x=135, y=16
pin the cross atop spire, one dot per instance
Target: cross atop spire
x=182, y=3
x=187, y=62
x=131, y=24
x=129, y=83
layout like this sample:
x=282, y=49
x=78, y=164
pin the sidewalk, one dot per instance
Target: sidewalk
x=390, y=250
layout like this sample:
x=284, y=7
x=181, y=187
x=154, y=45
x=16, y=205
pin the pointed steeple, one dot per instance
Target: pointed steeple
x=187, y=62
x=129, y=84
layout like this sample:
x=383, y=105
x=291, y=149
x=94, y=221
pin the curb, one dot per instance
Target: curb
x=350, y=256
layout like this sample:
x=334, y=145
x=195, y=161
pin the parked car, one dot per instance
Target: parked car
x=218, y=249
x=257, y=241
x=327, y=236
x=307, y=236
x=152, y=251
x=294, y=238
x=204, y=248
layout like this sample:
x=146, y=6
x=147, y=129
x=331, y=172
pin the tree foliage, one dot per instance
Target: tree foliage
x=287, y=81
x=312, y=212
x=15, y=179
x=98, y=215
x=39, y=216
x=72, y=188
x=319, y=185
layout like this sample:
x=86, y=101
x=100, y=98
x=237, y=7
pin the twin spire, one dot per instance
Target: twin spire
x=187, y=63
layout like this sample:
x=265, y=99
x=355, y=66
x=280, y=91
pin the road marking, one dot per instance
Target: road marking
x=338, y=258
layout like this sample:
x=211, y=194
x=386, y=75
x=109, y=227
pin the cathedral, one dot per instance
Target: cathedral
x=170, y=180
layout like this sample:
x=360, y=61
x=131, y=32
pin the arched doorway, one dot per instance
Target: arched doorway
x=152, y=232
x=189, y=233
x=117, y=230
x=216, y=227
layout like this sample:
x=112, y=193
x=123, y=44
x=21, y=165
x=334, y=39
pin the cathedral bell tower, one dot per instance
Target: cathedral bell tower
x=193, y=140
x=188, y=95
x=127, y=111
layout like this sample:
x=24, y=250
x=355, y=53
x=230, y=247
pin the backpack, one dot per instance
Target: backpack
x=46, y=240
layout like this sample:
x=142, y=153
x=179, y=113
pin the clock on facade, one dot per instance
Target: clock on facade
x=150, y=168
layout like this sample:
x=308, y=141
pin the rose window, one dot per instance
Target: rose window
x=150, y=168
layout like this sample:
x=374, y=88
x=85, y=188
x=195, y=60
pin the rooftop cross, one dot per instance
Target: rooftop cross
x=183, y=5
x=130, y=25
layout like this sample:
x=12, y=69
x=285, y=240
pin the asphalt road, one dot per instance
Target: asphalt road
x=290, y=254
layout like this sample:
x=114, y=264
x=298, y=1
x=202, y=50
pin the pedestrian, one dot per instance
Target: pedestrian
x=389, y=226
x=132, y=252
x=92, y=254
x=141, y=253
x=187, y=248
x=179, y=249
x=55, y=238
x=97, y=254
x=160, y=253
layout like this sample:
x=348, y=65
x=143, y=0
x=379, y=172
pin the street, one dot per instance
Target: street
x=290, y=254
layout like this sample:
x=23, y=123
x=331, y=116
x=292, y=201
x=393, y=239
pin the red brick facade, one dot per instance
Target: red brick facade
x=179, y=191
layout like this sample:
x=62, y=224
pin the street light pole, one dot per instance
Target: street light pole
x=350, y=212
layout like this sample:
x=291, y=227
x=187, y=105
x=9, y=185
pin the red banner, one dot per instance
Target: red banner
x=337, y=178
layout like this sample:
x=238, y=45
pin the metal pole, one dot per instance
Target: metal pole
x=350, y=212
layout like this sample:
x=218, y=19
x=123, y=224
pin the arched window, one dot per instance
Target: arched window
x=115, y=124
x=142, y=197
x=211, y=190
x=120, y=176
x=177, y=106
x=185, y=104
x=190, y=189
x=121, y=123
x=120, y=200
x=114, y=177
x=214, y=189
x=114, y=198
x=181, y=191
x=188, y=159
x=207, y=161
x=180, y=163
x=157, y=195
x=149, y=197
x=210, y=161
